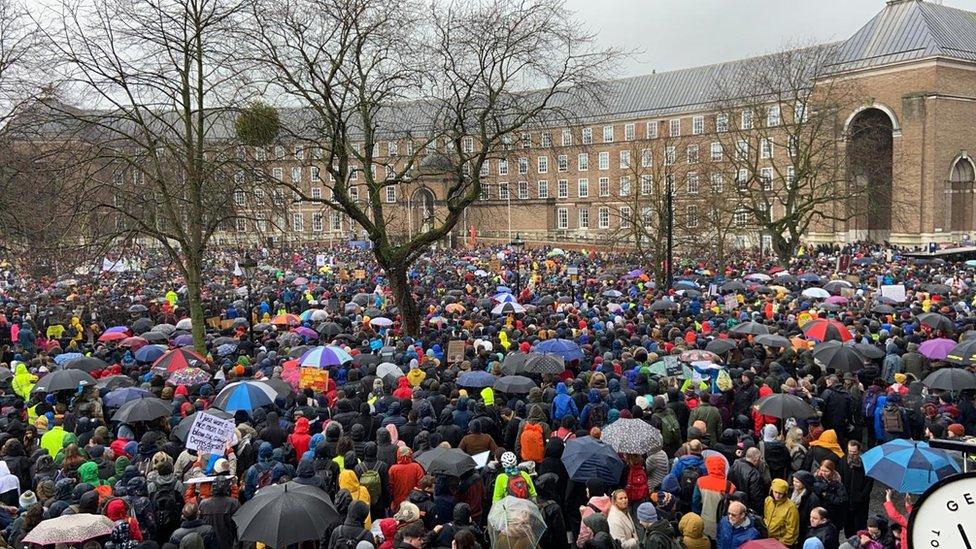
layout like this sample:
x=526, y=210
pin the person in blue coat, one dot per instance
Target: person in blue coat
x=563, y=404
x=735, y=528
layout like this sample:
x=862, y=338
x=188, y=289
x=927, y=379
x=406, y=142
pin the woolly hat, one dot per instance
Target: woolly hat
x=646, y=512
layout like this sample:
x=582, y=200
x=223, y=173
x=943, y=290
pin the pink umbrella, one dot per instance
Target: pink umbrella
x=307, y=332
x=836, y=300
x=291, y=373
x=936, y=349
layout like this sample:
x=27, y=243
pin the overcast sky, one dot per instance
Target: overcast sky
x=676, y=34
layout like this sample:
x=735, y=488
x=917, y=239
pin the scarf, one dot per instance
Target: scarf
x=797, y=497
x=621, y=525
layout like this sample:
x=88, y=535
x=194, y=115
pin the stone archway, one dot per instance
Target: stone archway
x=959, y=194
x=870, y=153
x=422, y=214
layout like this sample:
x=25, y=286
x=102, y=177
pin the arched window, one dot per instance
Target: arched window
x=960, y=195
x=962, y=171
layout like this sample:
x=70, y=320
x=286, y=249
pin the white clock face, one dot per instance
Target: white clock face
x=945, y=517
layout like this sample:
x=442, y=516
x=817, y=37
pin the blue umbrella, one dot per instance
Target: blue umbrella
x=565, y=348
x=67, y=357
x=226, y=349
x=245, y=395
x=587, y=458
x=118, y=397
x=476, y=380
x=150, y=353
x=504, y=297
x=612, y=293
x=503, y=290
x=908, y=466
x=324, y=356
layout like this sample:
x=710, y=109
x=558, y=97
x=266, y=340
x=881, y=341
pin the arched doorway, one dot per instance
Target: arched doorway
x=959, y=195
x=870, y=150
x=421, y=210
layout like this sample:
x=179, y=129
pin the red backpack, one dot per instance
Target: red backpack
x=517, y=486
x=636, y=484
x=533, y=443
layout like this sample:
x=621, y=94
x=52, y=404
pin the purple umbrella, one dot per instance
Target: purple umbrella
x=936, y=349
x=306, y=332
x=120, y=329
x=836, y=300
x=634, y=274
x=183, y=340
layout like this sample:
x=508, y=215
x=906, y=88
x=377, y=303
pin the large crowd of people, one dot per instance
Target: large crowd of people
x=382, y=438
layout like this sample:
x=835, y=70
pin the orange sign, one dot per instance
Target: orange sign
x=315, y=378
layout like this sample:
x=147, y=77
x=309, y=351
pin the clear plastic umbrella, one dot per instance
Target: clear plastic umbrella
x=515, y=523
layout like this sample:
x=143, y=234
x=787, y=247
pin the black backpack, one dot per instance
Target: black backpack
x=167, y=508
x=687, y=482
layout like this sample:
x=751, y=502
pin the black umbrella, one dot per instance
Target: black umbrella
x=446, y=461
x=950, y=379
x=373, y=312
x=155, y=337
x=937, y=289
x=282, y=387
x=286, y=514
x=483, y=303
x=546, y=301
x=514, y=385
x=361, y=299
x=217, y=342
x=297, y=352
x=544, y=363
x=868, y=351
x=935, y=321
x=138, y=308
x=142, y=326
x=329, y=329
x=182, y=429
x=513, y=362
x=5, y=375
x=116, y=382
x=143, y=409
x=733, y=286
x=840, y=357
x=773, y=340
x=782, y=405
x=664, y=304
x=720, y=346
x=964, y=353
x=366, y=359
x=882, y=309
x=63, y=380
x=89, y=364
x=750, y=328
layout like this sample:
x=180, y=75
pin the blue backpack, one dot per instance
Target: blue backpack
x=869, y=404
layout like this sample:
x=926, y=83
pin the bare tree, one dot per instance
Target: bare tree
x=17, y=40
x=158, y=82
x=446, y=87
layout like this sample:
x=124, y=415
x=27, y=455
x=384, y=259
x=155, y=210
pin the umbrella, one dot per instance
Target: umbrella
x=508, y=308
x=750, y=328
x=816, y=293
x=882, y=309
x=118, y=397
x=835, y=286
x=66, y=357
x=177, y=359
x=937, y=289
x=141, y=326
x=862, y=261
x=664, y=304
x=733, y=286
x=868, y=351
x=950, y=379
x=388, y=369
x=183, y=340
x=286, y=320
x=261, y=327
x=936, y=322
x=89, y=364
x=762, y=277
x=446, y=461
x=70, y=529
x=324, y=356
x=720, y=346
x=184, y=324
x=300, y=281
x=836, y=300
x=117, y=329
x=373, y=311
x=280, y=386
x=833, y=354
x=298, y=351
x=822, y=329
x=588, y=457
x=165, y=329
x=63, y=380
x=155, y=337
x=114, y=382
x=476, y=380
x=361, y=299
x=515, y=522
x=936, y=349
x=514, y=385
x=632, y=436
x=188, y=376
x=150, y=353
x=513, y=362
x=226, y=349
x=329, y=329
x=143, y=409
x=565, y=348
x=614, y=294
x=908, y=466
x=543, y=363
x=286, y=514
x=699, y=355
x=307, y=333
x=555, y=252
x=765, y=543
x=381, y=322
x=454, y=308
x=773, y=340
x=245, y=395
x=112, y=336
x=963, y=354
x=182, y=429
x=546, y=301
x=783, y=405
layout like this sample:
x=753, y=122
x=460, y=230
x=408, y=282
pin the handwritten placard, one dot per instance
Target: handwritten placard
x=316, y=379
x=455, y=351
x=209, y=434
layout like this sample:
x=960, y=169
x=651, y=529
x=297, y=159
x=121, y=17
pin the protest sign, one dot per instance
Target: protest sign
x=209, y=434
x=671, y=365
x=314, y=378
x=455, y=351
x=320, y=260
x=895, y=292
x=731, y=302
x=359, y=274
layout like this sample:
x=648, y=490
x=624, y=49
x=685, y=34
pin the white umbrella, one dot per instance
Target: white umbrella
x=184, y=324
x=381, y=321
x=816, y=293
x=507, y=308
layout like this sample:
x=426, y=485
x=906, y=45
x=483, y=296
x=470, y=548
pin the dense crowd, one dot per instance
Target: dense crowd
x=692, y=462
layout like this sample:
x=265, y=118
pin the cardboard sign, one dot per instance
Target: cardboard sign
x=214, y=322
x=672, y=365
x=209, y=434
x=731, y=302
x=494, y=266
x=315, y=378
x=847, y=292
x=895, y=292
x=359, y=274
x=320, y=260
x=455, y=351
x=343, y=275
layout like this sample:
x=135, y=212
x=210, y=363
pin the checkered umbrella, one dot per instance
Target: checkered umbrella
x=633, y=436
x=70, y=529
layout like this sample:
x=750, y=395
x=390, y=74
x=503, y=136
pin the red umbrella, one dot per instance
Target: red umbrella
x=113, y=336
x=135, y=343
x=823, y=329
x=177, y=359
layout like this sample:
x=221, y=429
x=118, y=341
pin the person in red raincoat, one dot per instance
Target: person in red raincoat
x=404, y=476
x=300, y=438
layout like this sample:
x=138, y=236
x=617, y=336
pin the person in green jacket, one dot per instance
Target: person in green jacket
x=23, y=381
x=53, y=439
x=510, y=466
x=121, y=463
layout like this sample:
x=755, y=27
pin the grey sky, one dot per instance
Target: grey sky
x=676, y=34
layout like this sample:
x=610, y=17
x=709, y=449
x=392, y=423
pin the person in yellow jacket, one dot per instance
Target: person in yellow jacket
x=415, y=376
x=780, y=514
x=23, y=381
x=53, y=440
x=79, y=333
x=172, y=298
x=349, y=481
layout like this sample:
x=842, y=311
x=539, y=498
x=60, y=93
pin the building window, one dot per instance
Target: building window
x=315, y=174
x=562, y=188
x=793, y=146
x=542, y=164
x=766, y=148
x=526, y=140
x=583, y=162
x=562, y=163
x=603, y=161
x=799, y=113
x=506, y=143
x=647, y=159
x=766, y=175
x=279, y=152
x=278, y=198
x=354, y=194
x=624, y=186
x=608, y=134
x=260, y=154
x=241, y=225
x=790, y=177
x=625, y=159
x=603, y=215
x=650, y=130
x=670, y=155
x=485, y=168
x=625, y=213
x=296, y=174
x=503, y=191
x=742, y=179
x=503, y=167
x=545, y=140
x=646, y=185
x=674, y=127
x=392, y=150
x=317, y=225
x=741, y=149
x=299, y=153
x=746, y=120
x=317, y=192
x=697, y=125
x=467, y=145
x=691, y=215
x=716, y=151
x=691, y=183
x=298, y=222
x=692, y=154
x=740, y=216
x=772, y=116
x=583, y=188
x=604, y=186
x=567, y=138
x=562, y=218
x=587, y=136
x=486, y=192
x=391, y=194
x=647, y=215
x=336, y=220
x=259, y=197
x=584, y=218
x=523, y=165
x=277, y=174
x=543, y=189
x=239, y=198
x=629, y=132
x=721, y=123
x=523, y=190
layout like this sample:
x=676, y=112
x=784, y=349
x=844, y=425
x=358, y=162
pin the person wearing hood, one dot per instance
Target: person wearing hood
x=534, y=422
x=448, y=429
x=408, y=431
x=61, y=498
x=88, y=474
x=550, y=505
x=9, y=486
x=597, y=503
x=53, y=439
x=774, y=452
x=707, y=411
x=836, y=407
x=415, y=376
x=218, y=510
x=709, y=490
x=266, y=471
x=23, y=381
x=386, y=450
x=403, y=391
x=824, y=448
x=746, y=394
x=780, y=514
x=596, y=412
x=351, y=531
x=462, y=415
x=617, y=397
x=300, y=438
x=379, y=504
x=403, y=477
x=476, y=442
x=563, y=404
x=18, y=463
x=804, y=498
x=443, y=537
x=272, y=432
x=657, y=532
x=692, y=530
x=192, y=524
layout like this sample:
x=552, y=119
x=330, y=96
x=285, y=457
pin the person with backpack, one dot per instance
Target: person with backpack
x=595, y=412
x=667, y=423
x=404, y=475
x=167, y=502
x=563, y=404
x=374, y=475
x=637, y=487
x=657, y=532
x=869, y=403
x=712, y=493
x=512, y=481
x=125, y=524
x=550, y=505
x=532, y=435
x=193, y=525
x=263, y=473
x=687, y=469
x=836, y=408
x=894, y=418
x=351, y=531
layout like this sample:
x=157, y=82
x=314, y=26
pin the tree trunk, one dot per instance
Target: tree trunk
x=783, y=248
x=400, y=284
x=193, y=286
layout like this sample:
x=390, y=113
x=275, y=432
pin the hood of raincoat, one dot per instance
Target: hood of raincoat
x=88, y=472
x=301, y=426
